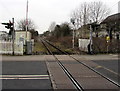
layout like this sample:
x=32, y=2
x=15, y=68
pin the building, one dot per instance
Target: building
x=83, y=32
x=20, y=36
x=3, y=35
x=112, y=25
x=26, y=39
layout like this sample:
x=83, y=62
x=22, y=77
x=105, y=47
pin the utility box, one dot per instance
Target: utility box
x=29, y=47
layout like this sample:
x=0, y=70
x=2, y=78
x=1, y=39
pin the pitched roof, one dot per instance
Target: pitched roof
x=112, y=18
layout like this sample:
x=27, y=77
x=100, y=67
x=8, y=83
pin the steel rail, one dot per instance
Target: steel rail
x=76, y=84
x=115, y=83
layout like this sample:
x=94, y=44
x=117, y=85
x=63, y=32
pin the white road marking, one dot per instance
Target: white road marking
x=20, y=77
x=111, y=71
x=107, y=70
x=24, y=78
x=24, y=75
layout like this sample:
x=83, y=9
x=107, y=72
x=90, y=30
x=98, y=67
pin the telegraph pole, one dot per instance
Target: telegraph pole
x=73, y=40
x=26, y=27
x=13, y=37
x=26, y=19
x=91, y=41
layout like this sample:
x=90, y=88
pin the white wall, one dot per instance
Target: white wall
x=83, y=44
x=6, y=47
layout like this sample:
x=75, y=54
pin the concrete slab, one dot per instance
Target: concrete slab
x=86, y=77
x=95, y=83
x=98, y=57
x=80, y=71
x=58, y=77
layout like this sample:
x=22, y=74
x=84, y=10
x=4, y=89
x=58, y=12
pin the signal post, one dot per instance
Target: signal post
x=10, y=26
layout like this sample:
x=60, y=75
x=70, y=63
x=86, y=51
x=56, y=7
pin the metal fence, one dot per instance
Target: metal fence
x=6, y=47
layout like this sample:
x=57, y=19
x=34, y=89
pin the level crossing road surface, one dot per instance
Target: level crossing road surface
x=109, y=68
x=108, y=65
x=43, y=72
x=25, y=75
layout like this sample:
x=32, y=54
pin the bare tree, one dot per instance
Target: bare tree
x=94, y=11
x=81, y=15
x=21, y=25
x=76, y=17
x=52, y=27
x=85, y=13
x=98, y=11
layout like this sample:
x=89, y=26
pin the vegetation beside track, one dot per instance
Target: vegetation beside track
x=64, y=44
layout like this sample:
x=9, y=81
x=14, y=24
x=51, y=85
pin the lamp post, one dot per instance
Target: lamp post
x=73, y=40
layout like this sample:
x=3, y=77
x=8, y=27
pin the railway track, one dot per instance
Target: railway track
x=77, y=85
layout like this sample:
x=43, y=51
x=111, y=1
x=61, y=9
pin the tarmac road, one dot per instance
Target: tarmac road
x=25, y=75
x=109, y=68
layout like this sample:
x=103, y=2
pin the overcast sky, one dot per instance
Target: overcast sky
x=43, y=12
